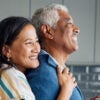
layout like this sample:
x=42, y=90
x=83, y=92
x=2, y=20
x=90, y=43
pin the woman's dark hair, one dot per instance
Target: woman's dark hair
x=9, y=29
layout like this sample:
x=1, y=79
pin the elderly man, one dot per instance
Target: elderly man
x=58, y=38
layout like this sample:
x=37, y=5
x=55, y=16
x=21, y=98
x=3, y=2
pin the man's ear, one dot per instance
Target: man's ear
x=47, y=31
x=6, y=51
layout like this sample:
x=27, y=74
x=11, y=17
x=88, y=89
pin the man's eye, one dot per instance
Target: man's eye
x=37, y=40
x=69, y=24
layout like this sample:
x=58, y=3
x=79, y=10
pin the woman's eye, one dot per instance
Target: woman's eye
x=32, y=42
x=28, y=43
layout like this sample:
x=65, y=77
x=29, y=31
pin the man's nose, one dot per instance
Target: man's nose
x=76, y=29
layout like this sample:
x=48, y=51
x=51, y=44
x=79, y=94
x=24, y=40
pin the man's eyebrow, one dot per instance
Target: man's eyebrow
x=68, y=20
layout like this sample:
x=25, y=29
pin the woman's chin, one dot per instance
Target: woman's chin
x=36, y=65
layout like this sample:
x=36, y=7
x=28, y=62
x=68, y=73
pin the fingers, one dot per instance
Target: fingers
x=73, y=78
x=66, y=80
x=66, y=70
x=75, y=83
x=70, y=74
x=66, y=76
x=59, y=70
x=95, y=98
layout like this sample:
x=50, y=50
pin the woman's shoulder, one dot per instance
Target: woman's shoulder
x=15, y=81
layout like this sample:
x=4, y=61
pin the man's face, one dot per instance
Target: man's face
x=65, y=33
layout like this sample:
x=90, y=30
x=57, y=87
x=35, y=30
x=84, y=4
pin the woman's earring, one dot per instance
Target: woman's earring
x=8, y=59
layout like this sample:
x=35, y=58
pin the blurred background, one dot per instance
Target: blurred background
x=85, y=63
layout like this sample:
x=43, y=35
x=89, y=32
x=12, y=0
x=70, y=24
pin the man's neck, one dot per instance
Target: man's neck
x=58, y=55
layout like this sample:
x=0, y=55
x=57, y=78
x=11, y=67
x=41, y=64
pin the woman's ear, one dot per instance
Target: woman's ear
x=47, y=31
x=6, y=51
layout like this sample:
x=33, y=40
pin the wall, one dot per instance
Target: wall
x=34, y=3
x=85, y=63
x=83, y=12
x=97, y=35
x=14, y=8
x=88, y=79
x=86, y=15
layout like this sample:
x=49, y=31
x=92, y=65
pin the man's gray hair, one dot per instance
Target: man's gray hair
x=47, y=15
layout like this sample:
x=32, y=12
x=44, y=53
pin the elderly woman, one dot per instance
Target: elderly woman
x=19, y=49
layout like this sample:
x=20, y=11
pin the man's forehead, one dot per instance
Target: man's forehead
x=66, y=16
x=68, y=20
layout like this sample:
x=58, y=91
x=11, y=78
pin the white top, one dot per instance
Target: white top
x=14, y=86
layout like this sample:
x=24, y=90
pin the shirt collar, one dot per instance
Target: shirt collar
x=50, y=60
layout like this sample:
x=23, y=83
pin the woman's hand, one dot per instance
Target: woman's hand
x=67, y=83
x=95, y=98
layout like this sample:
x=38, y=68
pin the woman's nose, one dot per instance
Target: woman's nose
x=36, y=47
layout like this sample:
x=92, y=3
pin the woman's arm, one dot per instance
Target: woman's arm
x=95, y=98
x=67, y=83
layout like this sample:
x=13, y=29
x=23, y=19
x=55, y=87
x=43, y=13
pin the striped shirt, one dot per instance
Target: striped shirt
x=14, y=86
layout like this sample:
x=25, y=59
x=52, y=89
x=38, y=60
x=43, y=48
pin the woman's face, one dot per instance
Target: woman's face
x=25, y=49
